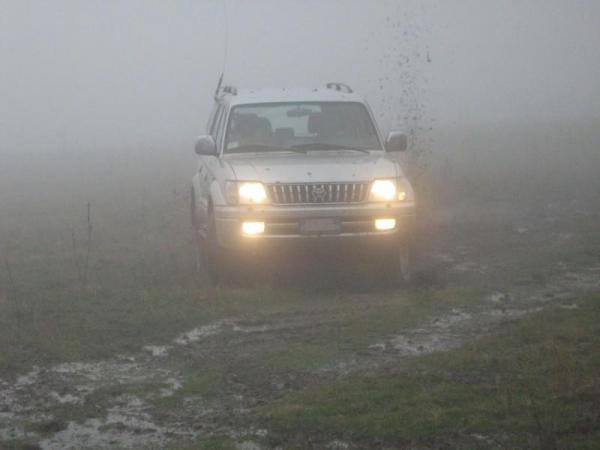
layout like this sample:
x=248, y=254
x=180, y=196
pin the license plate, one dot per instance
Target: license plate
x=316, y=226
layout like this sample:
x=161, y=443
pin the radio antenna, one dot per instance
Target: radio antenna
x=226, y=17
x=226, y=49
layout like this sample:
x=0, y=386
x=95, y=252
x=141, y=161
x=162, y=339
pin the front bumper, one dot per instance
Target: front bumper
x=284, y=223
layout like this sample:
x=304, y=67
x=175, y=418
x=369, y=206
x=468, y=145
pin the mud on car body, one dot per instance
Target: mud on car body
x=284, y=165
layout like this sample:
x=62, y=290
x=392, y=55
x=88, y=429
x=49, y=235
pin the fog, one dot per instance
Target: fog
x=119, y=325
x=87, y=86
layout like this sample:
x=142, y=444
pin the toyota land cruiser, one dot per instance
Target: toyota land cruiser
x=298, y=164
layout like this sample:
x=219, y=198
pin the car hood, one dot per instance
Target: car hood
x=317, y=166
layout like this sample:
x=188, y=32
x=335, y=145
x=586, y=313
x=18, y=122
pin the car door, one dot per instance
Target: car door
x=207, y=166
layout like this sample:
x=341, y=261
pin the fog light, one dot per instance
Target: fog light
x=385, y=224
x=253, y=228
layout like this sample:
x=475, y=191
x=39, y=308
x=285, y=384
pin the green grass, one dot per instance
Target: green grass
x=213, y=443
x=141, y=289
x=355, y=325
x=301, y=356
x=344, y=325
x=535, y=385
x=202, y=383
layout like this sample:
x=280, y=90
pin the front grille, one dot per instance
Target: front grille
x=316, y=193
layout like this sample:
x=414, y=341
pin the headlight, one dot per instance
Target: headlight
x=391, y=191
x=383, y=191
x=245, y=193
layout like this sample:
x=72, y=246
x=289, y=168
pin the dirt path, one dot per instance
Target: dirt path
x=118, y=401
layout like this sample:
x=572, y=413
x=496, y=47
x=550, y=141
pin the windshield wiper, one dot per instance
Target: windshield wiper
x=326, y=146
x=264, y=148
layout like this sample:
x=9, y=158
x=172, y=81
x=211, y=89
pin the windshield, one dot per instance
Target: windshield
x=300, y=126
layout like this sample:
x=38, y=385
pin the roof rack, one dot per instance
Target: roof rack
x=341, y=87
x=224, y=89
x=229, y=90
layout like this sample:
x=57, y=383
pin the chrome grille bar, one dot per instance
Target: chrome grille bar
x=317, y=193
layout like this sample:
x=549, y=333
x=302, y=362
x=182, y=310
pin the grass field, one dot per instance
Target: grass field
x=534, y=385
x=303, y=357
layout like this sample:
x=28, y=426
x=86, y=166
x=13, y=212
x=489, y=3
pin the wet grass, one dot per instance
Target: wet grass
x=139, y=287
x=212, y=443
x=535, y=385
x=344, y=332
x=201, y=385
x=336, y=331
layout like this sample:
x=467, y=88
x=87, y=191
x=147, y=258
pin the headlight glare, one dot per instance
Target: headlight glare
x=385, y=224
x=383, y=191
x=252, y=193
x=245, y=193
x=253, y=228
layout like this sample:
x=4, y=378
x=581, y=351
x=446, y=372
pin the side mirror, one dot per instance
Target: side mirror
x=396, y=142
x=205, y=145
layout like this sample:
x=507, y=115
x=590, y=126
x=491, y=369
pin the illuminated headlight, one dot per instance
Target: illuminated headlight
x=245, y=193
x=385, y=224
x=391, y=191
x=383, y=191
x=253, y=228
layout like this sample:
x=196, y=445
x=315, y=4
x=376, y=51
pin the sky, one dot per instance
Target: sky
x=98, y=73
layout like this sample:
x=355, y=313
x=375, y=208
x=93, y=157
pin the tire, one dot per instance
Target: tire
x=196, y=236
x=211, y=253
x=208, y=262
x=405, y=264
x=403, y=261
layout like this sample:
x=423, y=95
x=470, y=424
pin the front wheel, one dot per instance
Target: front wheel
x=197, y=235
x=208, y=258
x=403, y=259
x=211, y=253
x=404, y=263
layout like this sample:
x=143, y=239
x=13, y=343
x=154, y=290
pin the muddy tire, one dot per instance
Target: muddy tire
x=195, y=230
x=208, y=258
x=197, y=237
x=213, y=257
x=404, y=265
x=403, y=259
x=193, y=215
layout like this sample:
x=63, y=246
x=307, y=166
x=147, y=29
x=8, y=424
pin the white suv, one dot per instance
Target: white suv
x=286, y=165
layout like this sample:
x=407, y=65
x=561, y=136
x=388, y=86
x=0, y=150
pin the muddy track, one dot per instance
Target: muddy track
x=84, y=404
